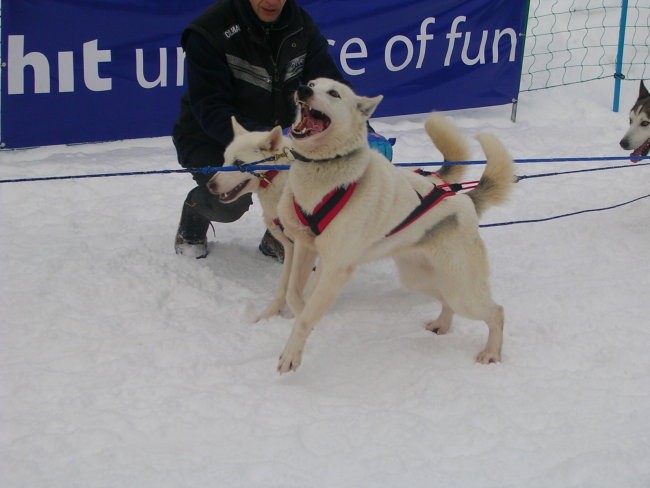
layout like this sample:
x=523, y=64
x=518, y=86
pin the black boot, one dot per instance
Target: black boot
x=199, y=209
x=191, y=237
x=270, y=246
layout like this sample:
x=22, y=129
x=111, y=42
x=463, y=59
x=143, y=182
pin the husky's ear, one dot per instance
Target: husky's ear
x=236, y=127
x=275, y=139
x=368, y=105
x=643, y=91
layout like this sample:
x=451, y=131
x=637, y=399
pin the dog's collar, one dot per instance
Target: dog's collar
x=305, y=159
x=266, y=178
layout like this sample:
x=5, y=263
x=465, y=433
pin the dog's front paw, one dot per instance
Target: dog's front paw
x=290, y=359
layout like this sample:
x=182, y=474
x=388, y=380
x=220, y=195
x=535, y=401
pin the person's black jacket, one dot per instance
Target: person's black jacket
x=237, y=65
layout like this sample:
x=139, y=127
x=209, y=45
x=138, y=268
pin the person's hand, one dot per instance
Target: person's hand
x=382, y=145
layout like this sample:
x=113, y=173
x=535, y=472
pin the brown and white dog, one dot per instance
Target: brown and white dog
x=353, y=206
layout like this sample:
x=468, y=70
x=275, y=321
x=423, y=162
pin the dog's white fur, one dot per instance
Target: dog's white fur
x=249, y=147
x=441, y=254
x=637, y=137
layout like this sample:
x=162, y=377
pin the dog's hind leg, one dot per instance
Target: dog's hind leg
x=461, y=282
x=328, y=287
x=417, y=274
x=477, y=305
x=474, y=302
x=492, y=351
x=442, y=324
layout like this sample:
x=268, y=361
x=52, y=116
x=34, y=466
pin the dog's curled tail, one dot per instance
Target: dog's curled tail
x=451, y=143
x=496, y=182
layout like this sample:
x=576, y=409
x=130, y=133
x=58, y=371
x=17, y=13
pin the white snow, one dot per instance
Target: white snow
x=124, y=365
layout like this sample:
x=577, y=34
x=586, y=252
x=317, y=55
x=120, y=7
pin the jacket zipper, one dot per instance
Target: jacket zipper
x=275, y=78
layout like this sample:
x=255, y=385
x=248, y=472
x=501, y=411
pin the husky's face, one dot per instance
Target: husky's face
x=331, y=119
x=246, y=147
x=637, y=138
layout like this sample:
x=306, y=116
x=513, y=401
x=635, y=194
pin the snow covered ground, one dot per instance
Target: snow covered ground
x=124, y=365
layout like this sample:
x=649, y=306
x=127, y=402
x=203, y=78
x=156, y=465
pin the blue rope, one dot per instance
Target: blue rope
x=281, y=167
x=252, y=167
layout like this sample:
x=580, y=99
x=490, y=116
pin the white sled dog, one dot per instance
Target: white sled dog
x=356, y=207
x=272, y=148
x=637, y=137
x=263, y=148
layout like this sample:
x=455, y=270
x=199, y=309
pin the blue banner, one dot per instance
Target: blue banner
x=84, y=71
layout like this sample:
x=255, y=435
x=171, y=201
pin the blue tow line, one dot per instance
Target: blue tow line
x=281, y=167
x=252, y=167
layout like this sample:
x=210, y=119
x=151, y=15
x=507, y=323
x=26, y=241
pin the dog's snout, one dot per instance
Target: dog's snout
x=212, y=186
x=304, y=92
x=625, y=144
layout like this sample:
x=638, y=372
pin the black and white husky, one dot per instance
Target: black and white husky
x=637, y=137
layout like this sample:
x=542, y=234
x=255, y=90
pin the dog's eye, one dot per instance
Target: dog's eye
x=311, y=84
x=645, y=123
x=237, y=162
x=334, y=93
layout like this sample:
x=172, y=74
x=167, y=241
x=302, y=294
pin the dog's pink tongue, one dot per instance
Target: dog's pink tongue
x=314, y=125
x=637, y=154
x=309, y=123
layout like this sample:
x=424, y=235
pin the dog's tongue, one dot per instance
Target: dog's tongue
x=309, y=123
x=640, y=151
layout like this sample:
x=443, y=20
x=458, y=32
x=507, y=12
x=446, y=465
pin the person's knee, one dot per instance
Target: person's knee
x=198, y=159
x=210, y=207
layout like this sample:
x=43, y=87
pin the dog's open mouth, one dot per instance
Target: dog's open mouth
x=234, y=193
x=311, y=122
x=640, y=151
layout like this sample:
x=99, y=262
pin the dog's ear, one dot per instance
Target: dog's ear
x=275, y=139
x=368, y=105
x=236, y=127
x=643, y=91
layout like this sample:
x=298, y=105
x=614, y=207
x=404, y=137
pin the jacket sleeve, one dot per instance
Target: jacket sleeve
x=209, y=87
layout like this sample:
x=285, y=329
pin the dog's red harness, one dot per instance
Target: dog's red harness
x=335, y=200
x=427, y=202
x=326, y=210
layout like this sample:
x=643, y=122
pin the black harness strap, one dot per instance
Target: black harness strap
x=427, y=202
x=299, y=157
